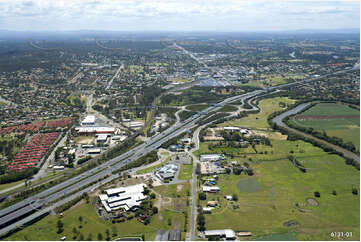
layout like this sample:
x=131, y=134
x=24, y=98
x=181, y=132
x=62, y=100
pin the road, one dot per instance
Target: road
x=278, y=120
x=17, y=214
x=12, y=213
x=115, y=75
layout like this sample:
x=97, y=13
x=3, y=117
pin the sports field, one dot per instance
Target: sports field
x=335, y=119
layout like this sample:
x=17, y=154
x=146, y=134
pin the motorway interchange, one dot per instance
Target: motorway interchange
x=29, y=209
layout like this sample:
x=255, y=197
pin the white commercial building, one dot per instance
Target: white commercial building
x=102, y=138
x=212, y=189
x=127, y=198
x=212, y=157
x=229, y=234
x=95, y=130
x=88, y=120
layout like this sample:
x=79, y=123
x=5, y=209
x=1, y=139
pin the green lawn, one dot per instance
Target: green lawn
x=8, y=185
x=280, y=185
x=259, y=120
x=228, y=108
x=197, y=107
x=185, y=172
x=267, y=199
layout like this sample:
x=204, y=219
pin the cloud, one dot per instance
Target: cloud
x=171, y=14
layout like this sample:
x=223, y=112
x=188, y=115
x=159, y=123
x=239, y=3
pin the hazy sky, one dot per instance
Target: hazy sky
x=178, y=15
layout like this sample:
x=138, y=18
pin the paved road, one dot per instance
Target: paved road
x=115, y=75
x=278, y=120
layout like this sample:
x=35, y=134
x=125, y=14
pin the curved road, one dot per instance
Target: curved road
x=278, y=120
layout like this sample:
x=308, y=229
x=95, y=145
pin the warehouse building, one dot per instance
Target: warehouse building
x=127, y=198
x=211, y=157
x=94, y=130
x=228, y=234
x=88, y=120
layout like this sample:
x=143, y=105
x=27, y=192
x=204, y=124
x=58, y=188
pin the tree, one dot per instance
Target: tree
x=317, y=194
x=155, y=210
x=60, y=226
x=100, y=237
x=201, y=222
x=235, y=197
x=80, y=219
x=354, y=191
x=202, y=196
x=107, y=233
x=334, y=193
x=81, y=237
x=152, y=196
x=169, y=222
x=90, y=237
x=114, y=231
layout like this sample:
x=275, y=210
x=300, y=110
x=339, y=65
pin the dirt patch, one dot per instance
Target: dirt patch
x=291, y=223
x=179, y=188
x=180, y=204
x=312, y=202
x=313, y=117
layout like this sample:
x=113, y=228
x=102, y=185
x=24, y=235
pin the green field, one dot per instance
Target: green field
x=185, y=172
x=228, y=108
x=347, y=128
x=259, y=120
x=172, y=198
x=197, y=107
x=267, y=199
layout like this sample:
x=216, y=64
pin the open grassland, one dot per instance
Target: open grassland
x=259, y=120
x=281, y=185
x=341, y=123
x=11, y=184
x=172, y=199
x=185, y=172
x=278, y=190
x=228, y=108
x=197, y=107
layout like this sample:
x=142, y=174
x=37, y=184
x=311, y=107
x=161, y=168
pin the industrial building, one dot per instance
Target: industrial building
x=166, y=172
x=88, y=120
x=228, y=234
x=211, y=157
x=127, y=198
x=212, y=189
x=94, y=130
x=211, y=168
x=102, y=138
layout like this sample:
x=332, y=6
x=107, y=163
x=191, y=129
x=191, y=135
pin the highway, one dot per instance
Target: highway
x=16, y=214
x=17, y=211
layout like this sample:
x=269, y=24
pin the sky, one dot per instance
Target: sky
x=177, y=15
